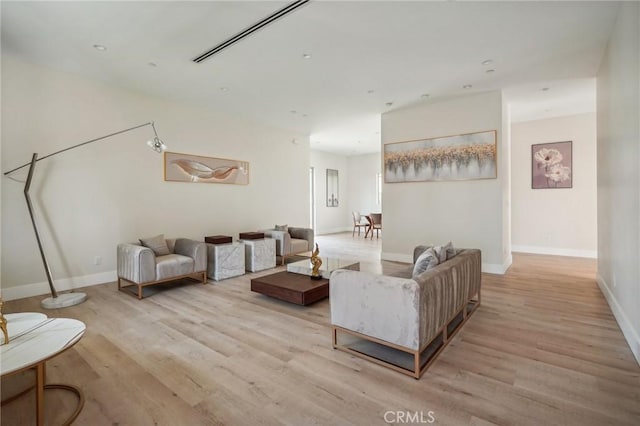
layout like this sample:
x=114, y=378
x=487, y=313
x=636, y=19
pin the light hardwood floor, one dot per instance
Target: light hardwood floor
x=543, y=349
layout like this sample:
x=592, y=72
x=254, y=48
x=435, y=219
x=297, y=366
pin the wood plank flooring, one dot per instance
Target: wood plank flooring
x=543, y=349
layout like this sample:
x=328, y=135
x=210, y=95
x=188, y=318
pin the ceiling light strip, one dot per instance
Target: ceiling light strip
x=255, y=27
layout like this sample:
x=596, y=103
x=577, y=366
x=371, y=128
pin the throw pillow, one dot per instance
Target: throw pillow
x=449, y=250
x=157, y=244
x=284, y=228
x=441, y=253
x=426, y=261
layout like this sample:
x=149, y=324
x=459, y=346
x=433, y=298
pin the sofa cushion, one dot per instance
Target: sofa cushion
x=299, y=246
x=427, y=260
x=284, y=228
x=173, y=265
x=157, y=244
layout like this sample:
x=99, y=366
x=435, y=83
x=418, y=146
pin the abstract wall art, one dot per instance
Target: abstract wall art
x=195, y=168
x=459, y=157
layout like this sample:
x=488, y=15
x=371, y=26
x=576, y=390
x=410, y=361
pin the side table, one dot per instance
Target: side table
x=259, y=254
x=33, y=340
x=225, y=260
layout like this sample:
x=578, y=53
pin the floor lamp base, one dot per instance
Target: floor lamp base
x=63, y=300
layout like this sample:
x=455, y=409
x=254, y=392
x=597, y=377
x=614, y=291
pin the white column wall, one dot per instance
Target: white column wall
x=468, y=213
x=618, y=121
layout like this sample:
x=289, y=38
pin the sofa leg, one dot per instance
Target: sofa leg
x=139, y=292
x=204, y=277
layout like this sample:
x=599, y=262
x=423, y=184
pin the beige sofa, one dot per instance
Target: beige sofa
x=402, y=322
x=139, y=266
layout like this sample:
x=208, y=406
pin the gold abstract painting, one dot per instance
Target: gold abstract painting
x=459, y=157
x=195, y=168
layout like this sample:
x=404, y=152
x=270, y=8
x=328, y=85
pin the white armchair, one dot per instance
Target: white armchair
x=140, y=266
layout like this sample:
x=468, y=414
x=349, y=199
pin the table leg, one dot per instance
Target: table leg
x=40, y=379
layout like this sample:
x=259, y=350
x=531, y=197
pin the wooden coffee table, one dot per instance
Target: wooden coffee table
x=295, y=288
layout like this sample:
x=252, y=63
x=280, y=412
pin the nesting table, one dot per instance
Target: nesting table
x=259, y=254
x=33, y=340
x=225, y=260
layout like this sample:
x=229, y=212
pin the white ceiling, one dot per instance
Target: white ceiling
x=397, y=50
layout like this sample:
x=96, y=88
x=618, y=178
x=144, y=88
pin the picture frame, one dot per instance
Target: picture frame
x=180, y=167
x=466, y=156
x=552, y=165
x=332, y=188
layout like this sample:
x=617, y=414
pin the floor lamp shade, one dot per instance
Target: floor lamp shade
x=56, y=300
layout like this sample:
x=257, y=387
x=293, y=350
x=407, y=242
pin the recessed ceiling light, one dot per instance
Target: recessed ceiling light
x=370, y=91
x=487, y=62
x=544, y=89
x=389, y=103
x=224, y=89
x=490, y=71
x=152, y=64
x=467, y=86
x=306, y=56
x=304, y=115
x=293, y=111
x=99, y=47
x=425, y=96
x=359, y=141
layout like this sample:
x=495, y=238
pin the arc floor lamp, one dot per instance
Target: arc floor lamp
x=69, y=299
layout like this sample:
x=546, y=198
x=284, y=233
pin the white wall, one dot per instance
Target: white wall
x=555, y=221
x=331, y=219
x=90, y=199
x=361, y=192
x=468, y=213
x=618, y=116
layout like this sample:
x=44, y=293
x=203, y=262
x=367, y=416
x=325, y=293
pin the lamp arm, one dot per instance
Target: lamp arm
x=86, y=143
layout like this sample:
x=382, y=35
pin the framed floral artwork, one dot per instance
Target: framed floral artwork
x=459, y=157
x=552, y=165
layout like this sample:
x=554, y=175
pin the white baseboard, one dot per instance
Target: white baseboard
x=490, y=268
x=334, y=230
x=63, y=284
x=495, y=268
x=629, y=332
x=593, y=254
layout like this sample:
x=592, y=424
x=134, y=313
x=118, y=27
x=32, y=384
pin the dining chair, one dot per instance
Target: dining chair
x=375, y=223
x=357, y=223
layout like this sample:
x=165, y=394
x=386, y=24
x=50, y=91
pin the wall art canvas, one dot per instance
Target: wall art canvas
x=195, y=168
x=551, y=165
x=460, y=157
x=332, y=188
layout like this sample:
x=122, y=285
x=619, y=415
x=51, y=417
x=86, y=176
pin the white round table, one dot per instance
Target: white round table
x=33, y=340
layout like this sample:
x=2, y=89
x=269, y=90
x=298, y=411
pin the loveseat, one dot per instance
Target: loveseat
x=291, y=240
x=400, y=321
x=141, y=266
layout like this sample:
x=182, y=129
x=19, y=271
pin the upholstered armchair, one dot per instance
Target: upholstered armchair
x=291, y=240
x=178, y=258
